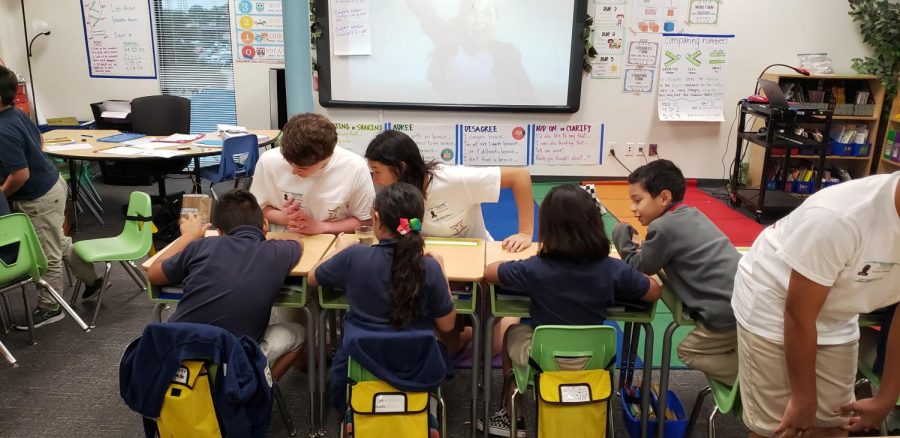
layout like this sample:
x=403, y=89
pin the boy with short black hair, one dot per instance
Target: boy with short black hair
x=232, y=280
x=311, y=186
x=698, y=259
x=33, y=186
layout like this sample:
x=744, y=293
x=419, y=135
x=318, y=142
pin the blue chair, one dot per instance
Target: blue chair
x=228, y=167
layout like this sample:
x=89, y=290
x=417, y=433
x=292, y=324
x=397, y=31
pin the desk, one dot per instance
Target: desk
x=463, y=262
x=520, y=308
x=314, y=247
x=97, y=147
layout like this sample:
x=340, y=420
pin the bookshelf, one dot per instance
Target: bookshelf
x=889, y=161
x=827, y=87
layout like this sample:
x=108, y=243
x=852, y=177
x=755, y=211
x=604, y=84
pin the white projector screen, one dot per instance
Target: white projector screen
x=518, y=55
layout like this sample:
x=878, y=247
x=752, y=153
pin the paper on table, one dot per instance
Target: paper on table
x=183, y=138
x=114, y=115
x=67, y=147
x=139, y=141
x=161, y=153
x=157, y=145
x=123, y=150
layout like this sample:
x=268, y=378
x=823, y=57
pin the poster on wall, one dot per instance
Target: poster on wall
x=494, y=145
x=606, y=67
x=703, y=12
x=638, y=81
x=259, y=31
x=566, y=143
x=351, y=32
x=692, y=77
x=656, y=16
x=356, y=135
x=438, y=143
x=118, y=36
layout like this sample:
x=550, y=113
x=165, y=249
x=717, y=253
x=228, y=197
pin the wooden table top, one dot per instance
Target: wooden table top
x=90, y=138
x=314, y=247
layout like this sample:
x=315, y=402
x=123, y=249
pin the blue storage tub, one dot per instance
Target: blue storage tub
x=802, y=187
x=842, y=149
x=672, y=429
x=861, y=149
x=773, y=185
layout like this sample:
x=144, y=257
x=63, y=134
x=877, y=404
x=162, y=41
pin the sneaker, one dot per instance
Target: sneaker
x=43, y=317
x=500, y=425
x=91, y=289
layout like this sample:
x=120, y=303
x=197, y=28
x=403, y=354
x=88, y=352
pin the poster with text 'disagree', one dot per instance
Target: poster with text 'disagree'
x=119, y=39
x=436, y=142
x=692, y=77
x=494, y=145
x=567, y=143
x=355, y=136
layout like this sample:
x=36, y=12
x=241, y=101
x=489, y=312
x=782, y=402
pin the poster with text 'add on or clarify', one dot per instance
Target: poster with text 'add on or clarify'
x=119, y=39
x=566, y=143
x=656, y=16
x=351, y=32
x=494, y=145
x=692, y=77
x=259, y=32
x=356, y=135
x=436, y=142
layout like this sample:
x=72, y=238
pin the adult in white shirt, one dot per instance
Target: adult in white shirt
x=311, y=186
x=797, y=297
x=453, y=194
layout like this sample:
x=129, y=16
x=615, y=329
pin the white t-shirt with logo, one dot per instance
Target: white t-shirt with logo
x=846, y=237
x=341, y=189
x=453, y=201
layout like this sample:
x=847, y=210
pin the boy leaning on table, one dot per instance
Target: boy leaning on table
x=232, y=280
x=33, y=186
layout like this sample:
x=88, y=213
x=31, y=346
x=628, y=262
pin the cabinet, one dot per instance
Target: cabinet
x=21, y=99
x=889, y=161
x=838, y=93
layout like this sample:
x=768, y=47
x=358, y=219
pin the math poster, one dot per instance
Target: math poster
x=703, y=12
x=356, y=135
x=119, y=39
x=656, y=16
x=259, y=33
x=494, y=145
x=567, y=143
x=436, y=142
x=692, y=77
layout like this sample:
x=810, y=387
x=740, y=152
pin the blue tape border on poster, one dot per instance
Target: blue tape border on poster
x=87, y=49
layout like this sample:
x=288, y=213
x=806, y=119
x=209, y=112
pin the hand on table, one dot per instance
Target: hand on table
x=300, y=222
x=517, y=242
x=342, y=243
x=192, y=228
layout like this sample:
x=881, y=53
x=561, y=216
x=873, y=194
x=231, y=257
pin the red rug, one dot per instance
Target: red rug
x=740, y=229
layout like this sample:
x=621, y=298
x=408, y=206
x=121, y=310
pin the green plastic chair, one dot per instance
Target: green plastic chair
x=551, y=341
x=874, y=381
x=133, y=243
x=29, y=266
x=356, y=373
x=727, y=399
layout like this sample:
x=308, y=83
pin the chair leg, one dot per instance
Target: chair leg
x=212, y=191
x=443, y=408
x=282, y=408
x=9, y=313
x=711, y=426
x=29, y=317
x=695, y=411
x=512, y=416
x=8, y=355
x=140, y=274
x=68, y=270
x=64, y=305
x=134, y=275
x=100, y=294
x=75, y=293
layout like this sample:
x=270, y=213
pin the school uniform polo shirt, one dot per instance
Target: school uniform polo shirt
x=364, y=273
x=570, y=293
x=20, y=148
x=232, y=281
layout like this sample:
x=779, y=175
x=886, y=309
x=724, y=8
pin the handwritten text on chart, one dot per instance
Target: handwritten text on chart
x=495, y=145
x=356, y=136
x=350, y=27
x=119, y=42
x=691, y=81
x=566, y=144
x=435, y=142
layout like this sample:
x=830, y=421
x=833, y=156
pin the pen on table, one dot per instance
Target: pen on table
x=85, y=135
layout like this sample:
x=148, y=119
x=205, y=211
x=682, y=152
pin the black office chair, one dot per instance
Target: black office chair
x=97, y=109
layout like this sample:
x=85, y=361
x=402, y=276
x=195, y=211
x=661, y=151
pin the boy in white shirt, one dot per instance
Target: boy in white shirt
x=311, y=186
x=797, y=297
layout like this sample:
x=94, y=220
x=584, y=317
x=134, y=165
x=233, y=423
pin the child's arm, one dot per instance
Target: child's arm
x=653, y=253
x=446, y=323
x=492, y=273
x=191, y=229
x=870, y=412
x=654, y=292
x=519, y=180
x=275, y=215
x=340, y=244
x=15, y=181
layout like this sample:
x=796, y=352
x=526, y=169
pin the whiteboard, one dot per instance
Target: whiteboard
x=118, y=37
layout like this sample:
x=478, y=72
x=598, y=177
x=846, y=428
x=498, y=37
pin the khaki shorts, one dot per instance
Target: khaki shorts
x=714, y=353
x=281, y=339
x=764, y=381
x=518, y=347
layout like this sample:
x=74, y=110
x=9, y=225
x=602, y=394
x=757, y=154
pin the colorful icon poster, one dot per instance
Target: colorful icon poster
x=259, y=32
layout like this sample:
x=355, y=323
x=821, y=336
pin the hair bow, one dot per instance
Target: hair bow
x=407, y=225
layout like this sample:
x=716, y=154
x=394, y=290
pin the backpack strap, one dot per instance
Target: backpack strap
x=139, y=218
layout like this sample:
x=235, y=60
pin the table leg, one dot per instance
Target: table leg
x=665, y=364
x=196, y=177
x=311, y=369
x=625, y=360
x=73, y=186
x=488, y=371
x=323, y=315
x=647, y=377
x=476, y=338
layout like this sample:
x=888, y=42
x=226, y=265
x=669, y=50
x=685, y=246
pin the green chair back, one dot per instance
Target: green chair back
x=30, y=260
x=598, y=342
x=357, y=373
x=137, y=236
x=728, y=398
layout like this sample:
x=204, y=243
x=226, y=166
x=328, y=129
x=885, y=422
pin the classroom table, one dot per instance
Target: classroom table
x=95, y=153
x=314, y=247
x=519, y=308
x=463, y=262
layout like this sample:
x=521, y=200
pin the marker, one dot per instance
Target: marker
x=85, y=135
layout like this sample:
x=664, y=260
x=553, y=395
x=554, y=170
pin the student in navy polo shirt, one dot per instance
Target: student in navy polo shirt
x=33, y=186
x=231, y=281
x=571, y=281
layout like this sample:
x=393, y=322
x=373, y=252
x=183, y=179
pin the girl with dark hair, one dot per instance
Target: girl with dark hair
x=453, y=194
x=391, y=286
x=571, y=281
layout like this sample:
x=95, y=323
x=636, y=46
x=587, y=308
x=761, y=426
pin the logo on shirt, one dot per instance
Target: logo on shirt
x=865, y=271
x=872, y=271
x=458, y=228
x=439, y=212
x=333, y=213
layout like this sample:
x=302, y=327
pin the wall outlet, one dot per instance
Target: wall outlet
x=652, y=150
x=629, y=149
x=611, y=148
x=641, y=149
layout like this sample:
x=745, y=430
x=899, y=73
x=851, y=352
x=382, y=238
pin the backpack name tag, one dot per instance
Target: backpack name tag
x=181, y=376
x=580, y=393
x=388, y=403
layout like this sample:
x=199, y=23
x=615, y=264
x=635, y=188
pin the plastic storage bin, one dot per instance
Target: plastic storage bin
x=861, y=149
x=842, y=149
x=773, y=185
x=802, y=187
x=672, y=429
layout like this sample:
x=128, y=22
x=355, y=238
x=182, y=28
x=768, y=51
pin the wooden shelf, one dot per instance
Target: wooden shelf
x=860, y=118
x=890, y=162
x=827, y=157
